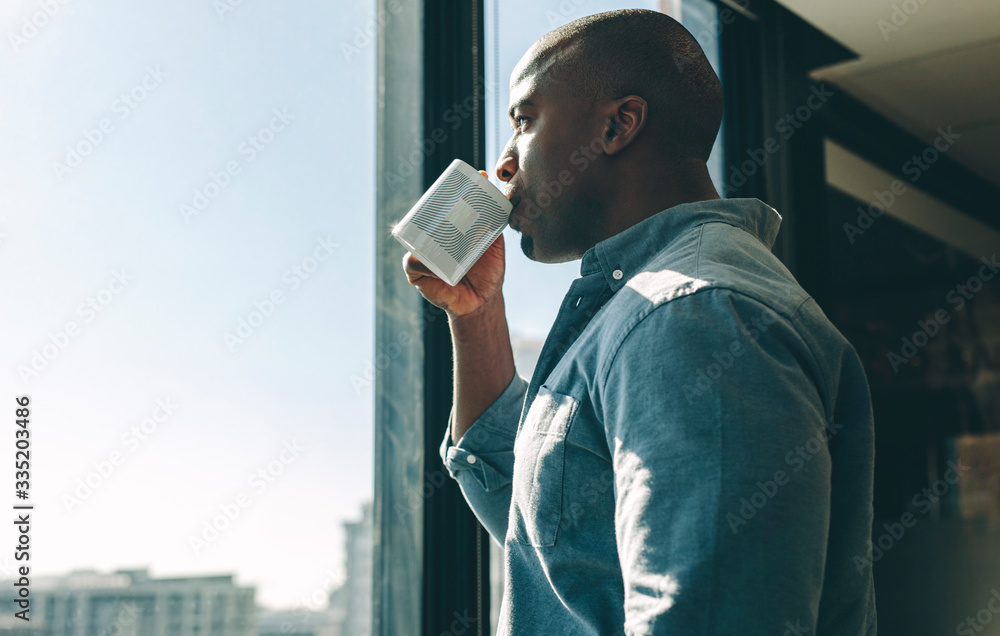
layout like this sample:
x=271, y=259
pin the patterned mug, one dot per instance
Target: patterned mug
x=454, y=222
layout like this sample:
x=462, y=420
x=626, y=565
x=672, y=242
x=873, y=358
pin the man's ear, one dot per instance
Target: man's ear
x=626, y=117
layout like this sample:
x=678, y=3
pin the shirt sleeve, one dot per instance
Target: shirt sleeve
x=722, y=502
x=483, y=460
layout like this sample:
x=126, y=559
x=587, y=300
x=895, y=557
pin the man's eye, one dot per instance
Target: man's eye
x=519, y=118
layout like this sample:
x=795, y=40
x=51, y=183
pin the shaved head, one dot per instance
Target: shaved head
x=641, y=52
x=614, y=116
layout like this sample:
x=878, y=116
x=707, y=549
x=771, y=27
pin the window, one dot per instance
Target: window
x=915, y=291
x=186, y=227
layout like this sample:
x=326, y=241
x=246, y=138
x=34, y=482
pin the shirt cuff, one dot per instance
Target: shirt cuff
x=487, y=445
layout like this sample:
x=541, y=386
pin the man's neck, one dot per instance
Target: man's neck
x=683, y=183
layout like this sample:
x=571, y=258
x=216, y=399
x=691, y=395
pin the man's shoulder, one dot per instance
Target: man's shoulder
x=713, y=255
x=700, y=285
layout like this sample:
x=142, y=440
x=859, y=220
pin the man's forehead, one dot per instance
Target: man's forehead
x=524, y=91
x=537, y=70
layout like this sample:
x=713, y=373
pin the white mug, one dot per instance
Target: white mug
x=454, y=222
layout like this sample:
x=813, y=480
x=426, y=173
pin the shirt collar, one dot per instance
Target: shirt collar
x=629, y=250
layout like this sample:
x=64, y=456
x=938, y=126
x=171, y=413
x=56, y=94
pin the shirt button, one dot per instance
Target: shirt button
x=617, y=274
x=471, y=459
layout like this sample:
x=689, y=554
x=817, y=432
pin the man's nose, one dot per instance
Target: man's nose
x=506, y=166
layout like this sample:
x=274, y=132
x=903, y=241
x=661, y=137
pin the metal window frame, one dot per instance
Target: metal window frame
x=765, y=66
x=430, y=571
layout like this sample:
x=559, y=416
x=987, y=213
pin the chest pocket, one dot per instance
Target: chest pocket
x=539, y=467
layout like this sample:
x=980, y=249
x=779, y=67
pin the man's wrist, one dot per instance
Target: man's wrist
x=485, y=313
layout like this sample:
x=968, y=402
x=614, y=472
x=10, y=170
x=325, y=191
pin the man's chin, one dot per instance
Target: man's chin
x=542, y=255
x=528, y=246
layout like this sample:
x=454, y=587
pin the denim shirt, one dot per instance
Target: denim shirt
x=694, y=452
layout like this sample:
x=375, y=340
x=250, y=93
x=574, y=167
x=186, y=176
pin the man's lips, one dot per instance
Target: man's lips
x=515, y=201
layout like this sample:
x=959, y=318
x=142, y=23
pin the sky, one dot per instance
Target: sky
x=201, y=90
x=187, y=245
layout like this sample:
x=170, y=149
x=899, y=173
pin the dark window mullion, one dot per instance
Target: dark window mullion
x=456, y=565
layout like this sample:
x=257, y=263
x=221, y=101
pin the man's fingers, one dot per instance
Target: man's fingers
x=415, y=270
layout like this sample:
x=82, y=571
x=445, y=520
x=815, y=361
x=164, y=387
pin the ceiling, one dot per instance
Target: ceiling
x=925, y=65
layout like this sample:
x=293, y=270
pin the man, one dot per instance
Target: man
x=694, y=452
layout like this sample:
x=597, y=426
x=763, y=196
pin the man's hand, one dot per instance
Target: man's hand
x=481, y=286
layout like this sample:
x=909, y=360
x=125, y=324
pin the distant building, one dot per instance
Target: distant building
x=131, y=603
x=353, y=600
x=298, y=622
x=526, y=351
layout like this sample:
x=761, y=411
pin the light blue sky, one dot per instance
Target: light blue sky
x=162, y=335
x=211, y=83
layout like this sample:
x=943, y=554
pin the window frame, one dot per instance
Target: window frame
x=431, y=555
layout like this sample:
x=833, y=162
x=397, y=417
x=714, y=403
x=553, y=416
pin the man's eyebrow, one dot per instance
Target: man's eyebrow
x=524, y=101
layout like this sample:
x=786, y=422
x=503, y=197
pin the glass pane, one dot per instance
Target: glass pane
x=702, y=19
x=534, y=291
x=914, y=287
x=186, y=225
